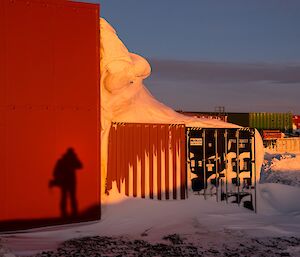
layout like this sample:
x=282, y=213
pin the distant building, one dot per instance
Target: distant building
x=259, y=120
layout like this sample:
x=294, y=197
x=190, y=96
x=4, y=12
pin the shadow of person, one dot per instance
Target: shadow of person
x=64, y=177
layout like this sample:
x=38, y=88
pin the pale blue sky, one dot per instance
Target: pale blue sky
x=261, y=32
x=231, y=30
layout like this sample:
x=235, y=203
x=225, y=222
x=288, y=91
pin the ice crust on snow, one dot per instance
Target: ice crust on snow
x=124, y=98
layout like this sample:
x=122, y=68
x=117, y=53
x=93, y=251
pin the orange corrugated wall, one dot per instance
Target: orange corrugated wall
x=49, y=101
x=148, y=160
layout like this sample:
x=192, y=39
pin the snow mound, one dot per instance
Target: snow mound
x=124, y=98
x=281, y=168
x=279, y=198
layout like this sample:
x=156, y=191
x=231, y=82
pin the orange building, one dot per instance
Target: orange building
x=49, y=113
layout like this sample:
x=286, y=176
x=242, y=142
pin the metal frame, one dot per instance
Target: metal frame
x=235, y=188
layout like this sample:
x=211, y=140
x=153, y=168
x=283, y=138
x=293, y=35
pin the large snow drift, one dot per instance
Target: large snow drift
x=124, y=98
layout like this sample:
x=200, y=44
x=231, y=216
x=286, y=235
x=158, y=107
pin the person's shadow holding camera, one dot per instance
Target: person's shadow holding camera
x=64, y=177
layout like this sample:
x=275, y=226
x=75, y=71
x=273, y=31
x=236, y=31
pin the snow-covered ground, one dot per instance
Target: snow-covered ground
x=193, y=227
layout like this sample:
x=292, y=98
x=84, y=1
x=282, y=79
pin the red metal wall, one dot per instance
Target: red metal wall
x=148, y=160
x=296, y=121
x=49, y=102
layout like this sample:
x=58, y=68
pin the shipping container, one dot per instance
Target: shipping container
x=222, y=164
x=276, y=121
x=258, y=120
x=163, y=161
x=287, y=145
x=49, y=113
x=147, y=160
x=263, y=120
x=271, y=134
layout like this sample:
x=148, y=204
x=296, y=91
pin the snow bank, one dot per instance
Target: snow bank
x=196, y=219
x=279, y=198
x=124, y=98
x=281, y=168
x=286, y=164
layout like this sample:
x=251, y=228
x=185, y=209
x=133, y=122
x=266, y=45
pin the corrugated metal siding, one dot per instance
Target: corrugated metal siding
x=287, y=145
x=49, y=102
x=148, y=160
x=262, y=120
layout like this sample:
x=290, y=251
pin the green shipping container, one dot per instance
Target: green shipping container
x=264, y=120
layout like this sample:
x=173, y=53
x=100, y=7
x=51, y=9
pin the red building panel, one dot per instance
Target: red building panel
x=146, y=170
x=49, y=113
x=167, y=187
x=296, y=121
x=143, y=160
x=174, y=158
